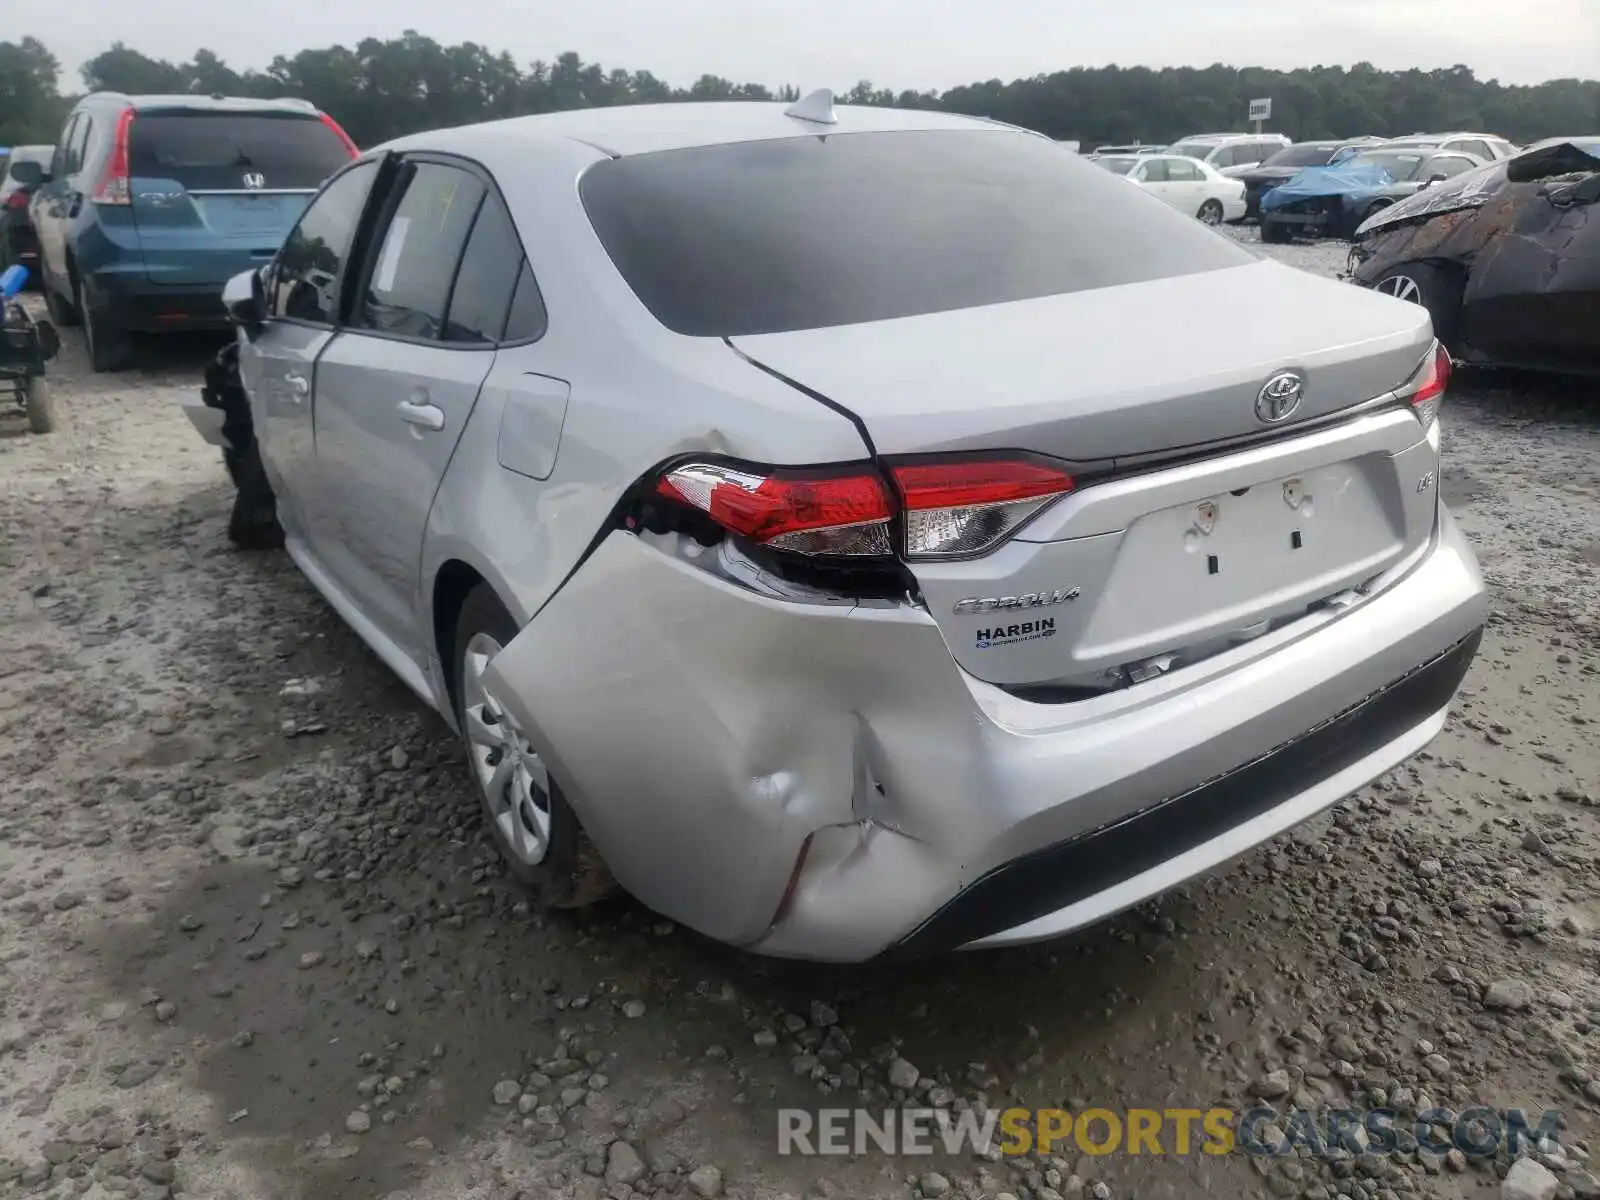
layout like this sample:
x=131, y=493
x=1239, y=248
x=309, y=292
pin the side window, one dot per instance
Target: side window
x=1184, y=172
x=80, y=140
x=306, y=275
x=1155, y=171
x=58, y=157
x=1448, y=165
x=487, y=277
x=409, y=284
x=527, y=319
x=1481, y=149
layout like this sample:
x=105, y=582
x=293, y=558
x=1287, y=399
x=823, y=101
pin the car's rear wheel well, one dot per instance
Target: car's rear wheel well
x=451, y=587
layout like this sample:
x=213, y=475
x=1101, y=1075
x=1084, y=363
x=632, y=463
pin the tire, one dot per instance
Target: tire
x=1275, y=232
x=224, y=392
x=253, y=524
x=1210, y=213
x=564, y=871
x=62, y=314
x=109, y=346
x=1437, y=289
x=39, y=404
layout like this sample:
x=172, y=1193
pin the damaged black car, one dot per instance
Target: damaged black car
x=1506, y=259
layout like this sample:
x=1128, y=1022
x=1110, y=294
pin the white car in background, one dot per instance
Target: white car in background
x=1187, y=184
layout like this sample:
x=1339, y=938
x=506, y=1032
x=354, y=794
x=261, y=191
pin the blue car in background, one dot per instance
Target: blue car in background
x=1335, y=199
x=151, y=203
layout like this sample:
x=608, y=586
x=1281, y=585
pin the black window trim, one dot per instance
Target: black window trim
x=372, y=222
x=380, y=183
x=63, y=147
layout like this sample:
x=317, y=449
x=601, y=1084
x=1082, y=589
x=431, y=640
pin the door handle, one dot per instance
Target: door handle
x=297, y=383
x=424, y=416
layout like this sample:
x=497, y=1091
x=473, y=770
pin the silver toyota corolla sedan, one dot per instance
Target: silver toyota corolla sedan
x=863, y=532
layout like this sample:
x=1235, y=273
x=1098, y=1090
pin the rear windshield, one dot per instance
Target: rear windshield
x=807, y=232
x=1301, y=156
x=1117, y=166
x=235, y=151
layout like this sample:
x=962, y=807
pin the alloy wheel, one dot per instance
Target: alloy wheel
x=1401, y=287
x=514, y=779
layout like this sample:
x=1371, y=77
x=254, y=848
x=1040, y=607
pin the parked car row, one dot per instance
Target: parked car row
x=1360, y=179
x=147, y=205
x=842, y=589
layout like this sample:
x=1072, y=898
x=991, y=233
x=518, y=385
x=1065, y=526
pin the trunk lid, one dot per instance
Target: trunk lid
x=1180, y=553
x=1109, y=372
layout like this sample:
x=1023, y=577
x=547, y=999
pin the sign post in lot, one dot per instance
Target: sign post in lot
x=1261, y=110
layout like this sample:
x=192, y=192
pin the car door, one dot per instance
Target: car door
x=48, y=207
x=277, y=363
x=394, y=389
x=1186, y=185
x=1154, y=176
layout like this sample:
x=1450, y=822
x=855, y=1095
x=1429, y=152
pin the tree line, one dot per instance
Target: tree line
x=382, y=89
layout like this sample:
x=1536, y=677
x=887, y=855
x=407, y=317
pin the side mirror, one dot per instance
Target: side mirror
x=28, y=174
x=245, y=298
x=1437, y=178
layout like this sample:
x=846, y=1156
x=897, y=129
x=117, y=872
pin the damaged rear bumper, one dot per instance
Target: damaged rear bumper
x=824, y=781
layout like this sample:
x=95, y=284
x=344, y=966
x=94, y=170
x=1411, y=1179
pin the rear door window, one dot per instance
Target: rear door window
x=225, y=151
x=1183, y=171
x=487, y=277
x=409, y=284
x=806, y=232
x=58, y=160
x=305, y=278
x=527, y=319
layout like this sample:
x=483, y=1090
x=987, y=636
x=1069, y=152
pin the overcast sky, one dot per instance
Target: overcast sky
x=895, y=43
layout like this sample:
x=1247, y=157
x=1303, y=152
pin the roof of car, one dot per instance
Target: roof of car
x=646, y=128
x=202, y=103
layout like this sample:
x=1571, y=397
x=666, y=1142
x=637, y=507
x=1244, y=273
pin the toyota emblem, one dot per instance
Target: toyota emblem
x=1279, y=397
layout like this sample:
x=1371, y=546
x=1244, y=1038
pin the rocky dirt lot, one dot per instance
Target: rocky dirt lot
x=254, y=942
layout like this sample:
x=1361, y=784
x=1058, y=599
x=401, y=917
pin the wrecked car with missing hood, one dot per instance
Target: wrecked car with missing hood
x=861, y=585
x=1506, y=259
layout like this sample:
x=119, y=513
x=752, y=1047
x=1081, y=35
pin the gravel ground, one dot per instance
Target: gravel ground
x=254, y=942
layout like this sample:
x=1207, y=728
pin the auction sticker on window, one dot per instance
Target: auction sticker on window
x=1022, y=631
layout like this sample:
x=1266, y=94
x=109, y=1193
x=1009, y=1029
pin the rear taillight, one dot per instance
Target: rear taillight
x=965, y=506
x=950, y=507
x=341, y=134
x=832, y=513
x=115, y=187
x=1429, y=385
x=17, y=201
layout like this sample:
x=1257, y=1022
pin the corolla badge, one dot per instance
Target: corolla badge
x=255, y=181
x=1279, y=397
x=978, y=604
